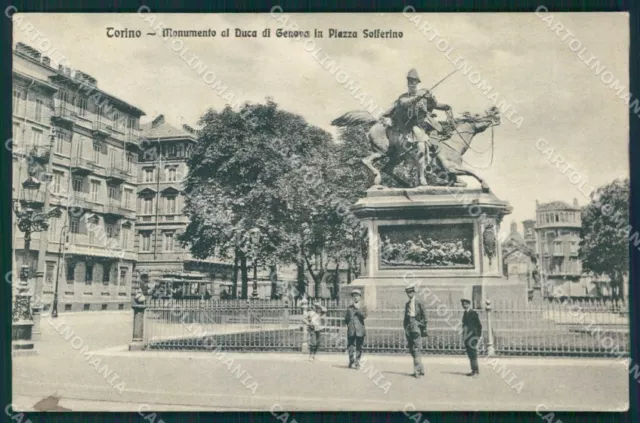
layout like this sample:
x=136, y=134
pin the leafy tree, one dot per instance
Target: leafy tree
x=249, y=190
x=604, y=247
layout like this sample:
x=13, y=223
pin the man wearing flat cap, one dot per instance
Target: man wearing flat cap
x=354, y=319
x=415, y=327
x=471, y=333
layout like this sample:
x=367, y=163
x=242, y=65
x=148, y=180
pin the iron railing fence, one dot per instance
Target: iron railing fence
x=578, y=328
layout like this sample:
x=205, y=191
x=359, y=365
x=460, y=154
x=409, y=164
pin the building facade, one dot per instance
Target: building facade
x=162, y=169
x=519, y=260
x=83, y=144
x=558, y=232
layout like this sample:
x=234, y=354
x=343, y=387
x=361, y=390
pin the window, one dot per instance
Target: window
x=96, y=152
x=81, y=104
x=100, y=111
x=36, y=136
x=74, y=226
x=106, y=274
x=148, y=175
x=168, y=241
x=18, y=96
x=574, y=247
x=71, y=272
x=557, y=220
x=123, y=276
x=64, y=97
x=67, y=307
x=95, y=190
x=125, y=237
x=148, y=205
x=77, y=184
x=50, y=273
x=57, y=182
x=146, y=241
x=53, y=223
x=16, y=131
x=116, y=120
x=171, y=174
x=88, y=274
x=105, y=306
x=131, y=125
x=171, y=205
x=171, y=151
x=86, y=307
x=113, y=192
x=127, y=197
x=129, y=162
x=110, y=229
x=39, y=105
x=59, y=142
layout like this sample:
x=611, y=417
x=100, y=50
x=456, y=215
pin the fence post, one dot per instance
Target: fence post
x=137, y=341
x=490, y=348
x=305, y=336
x=285, y=315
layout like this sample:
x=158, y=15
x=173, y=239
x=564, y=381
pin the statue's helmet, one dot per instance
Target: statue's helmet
x=413, y=74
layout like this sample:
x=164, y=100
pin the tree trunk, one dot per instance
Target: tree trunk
x=300, y=283
x=273, y=277
x=234, y=280
x=336, y=280
x=245, y=277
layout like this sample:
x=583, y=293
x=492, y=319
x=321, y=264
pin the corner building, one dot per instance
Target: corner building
x=90, y=250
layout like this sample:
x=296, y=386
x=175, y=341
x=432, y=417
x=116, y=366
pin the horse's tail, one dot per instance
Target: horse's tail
x=354, y=118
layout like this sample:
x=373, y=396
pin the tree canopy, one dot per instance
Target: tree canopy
x=265, y=186
x=605, y=234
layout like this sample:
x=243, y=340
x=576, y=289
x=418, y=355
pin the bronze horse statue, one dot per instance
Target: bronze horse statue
x=452, y=143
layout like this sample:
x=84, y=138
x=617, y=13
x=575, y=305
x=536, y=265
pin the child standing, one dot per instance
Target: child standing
x=314, y=320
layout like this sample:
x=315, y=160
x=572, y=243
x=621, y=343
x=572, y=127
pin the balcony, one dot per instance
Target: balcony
x=64, y=114
x=40, y=153
x=81, y=167
x=115, y=209
x=101, y=129
x=116, y=175
x=77, y=200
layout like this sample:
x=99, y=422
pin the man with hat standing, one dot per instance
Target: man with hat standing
x=415, y=327
x=471, y=333
x=354, y=319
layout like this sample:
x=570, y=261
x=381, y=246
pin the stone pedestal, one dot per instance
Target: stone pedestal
x=442, y=239
x=137, y=340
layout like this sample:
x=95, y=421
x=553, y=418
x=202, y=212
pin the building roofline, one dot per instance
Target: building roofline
x=40, y=82
x=61, y=77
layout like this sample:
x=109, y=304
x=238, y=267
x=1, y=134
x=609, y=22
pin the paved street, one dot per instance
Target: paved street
x=201, y=380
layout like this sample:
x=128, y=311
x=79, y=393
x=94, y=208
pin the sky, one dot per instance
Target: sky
x=557, y=96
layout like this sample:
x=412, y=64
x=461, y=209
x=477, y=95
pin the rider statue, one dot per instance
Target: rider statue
x=412, y=115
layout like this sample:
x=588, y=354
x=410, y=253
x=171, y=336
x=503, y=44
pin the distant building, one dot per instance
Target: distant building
x=519, y=259
x=162, y=169
x=558, y=233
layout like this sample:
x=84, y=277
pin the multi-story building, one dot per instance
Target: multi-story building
x=558, y=233
x=161, y=170
x=90, y=172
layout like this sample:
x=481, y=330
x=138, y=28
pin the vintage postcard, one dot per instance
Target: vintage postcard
x=283, y=212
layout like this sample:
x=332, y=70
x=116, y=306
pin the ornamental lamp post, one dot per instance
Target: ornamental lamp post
x=255, y=239
x=61, y=253
x=29, y=221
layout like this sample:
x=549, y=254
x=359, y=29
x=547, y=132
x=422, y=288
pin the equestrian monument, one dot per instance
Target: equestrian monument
x=436, y=232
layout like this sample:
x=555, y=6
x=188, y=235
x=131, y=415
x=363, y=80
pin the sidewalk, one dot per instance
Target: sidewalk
x=106, y=376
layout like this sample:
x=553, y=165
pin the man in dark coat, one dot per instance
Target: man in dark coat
x=354, y=319
x=415, y=327
x=471, y=333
